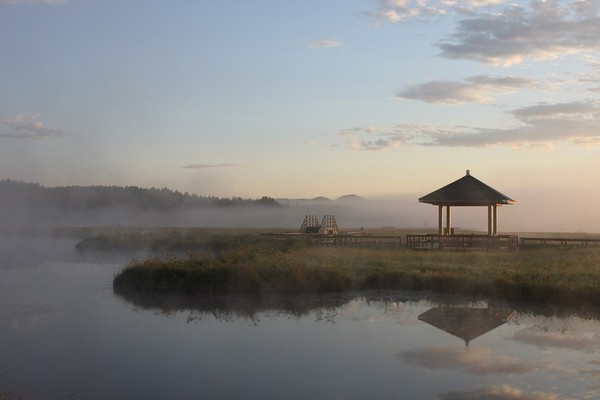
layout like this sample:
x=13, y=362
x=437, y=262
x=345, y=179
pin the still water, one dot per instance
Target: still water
x=64, y=334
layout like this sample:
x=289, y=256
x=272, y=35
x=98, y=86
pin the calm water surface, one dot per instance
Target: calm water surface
x=64, y=334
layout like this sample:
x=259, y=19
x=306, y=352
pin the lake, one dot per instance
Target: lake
x=64, y=334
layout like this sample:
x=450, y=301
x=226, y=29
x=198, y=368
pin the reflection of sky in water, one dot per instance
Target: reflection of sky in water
x=64, y=334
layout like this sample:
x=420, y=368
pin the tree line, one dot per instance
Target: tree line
x=90, y=198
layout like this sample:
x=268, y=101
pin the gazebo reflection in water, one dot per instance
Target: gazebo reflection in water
x=466, y=323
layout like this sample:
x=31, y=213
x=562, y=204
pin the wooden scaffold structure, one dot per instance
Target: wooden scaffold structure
x=310, y=224
x=329, y=226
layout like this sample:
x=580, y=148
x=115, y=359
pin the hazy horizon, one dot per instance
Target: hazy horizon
x=530, y=214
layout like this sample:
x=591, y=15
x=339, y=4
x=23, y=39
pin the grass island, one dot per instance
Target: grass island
x=242, y=264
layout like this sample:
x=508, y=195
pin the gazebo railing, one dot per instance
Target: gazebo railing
x=458, y=242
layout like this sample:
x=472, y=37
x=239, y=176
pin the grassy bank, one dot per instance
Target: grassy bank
x=248, y=266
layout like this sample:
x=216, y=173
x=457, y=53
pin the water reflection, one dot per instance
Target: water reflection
x=560, y=333
x=480, y=361
x=21, y=318
x=65, y=333
x=228, y=308
x=466, y=323
x=325, y=307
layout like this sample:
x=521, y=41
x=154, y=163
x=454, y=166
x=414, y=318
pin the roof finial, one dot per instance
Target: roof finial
x=468, y=172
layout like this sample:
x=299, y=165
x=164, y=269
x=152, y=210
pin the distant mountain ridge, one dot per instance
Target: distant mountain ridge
x=321, y=199
x=351, y=197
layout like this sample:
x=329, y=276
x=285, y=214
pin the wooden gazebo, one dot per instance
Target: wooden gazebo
x=466, y=192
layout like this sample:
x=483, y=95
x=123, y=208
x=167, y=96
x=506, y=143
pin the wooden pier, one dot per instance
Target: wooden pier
x=337, y=240
x=435, y=242
x=536, y=242
x=462, y=242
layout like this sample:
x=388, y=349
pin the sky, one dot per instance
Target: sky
x=299, y=99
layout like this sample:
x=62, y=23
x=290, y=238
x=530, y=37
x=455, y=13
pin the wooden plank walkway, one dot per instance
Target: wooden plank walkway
x=461, y=242
x=535, y=242
x=337, y=240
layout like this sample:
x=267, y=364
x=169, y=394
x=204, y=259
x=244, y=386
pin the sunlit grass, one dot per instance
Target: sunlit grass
x=246, y=265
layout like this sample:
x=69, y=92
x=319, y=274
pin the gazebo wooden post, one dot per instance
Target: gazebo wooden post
x=495, y=219
x=489, y=220
x=440, y=220
x=448, y=221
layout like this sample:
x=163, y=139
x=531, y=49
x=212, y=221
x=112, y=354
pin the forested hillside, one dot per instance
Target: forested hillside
x=31, y=205
x=78, y=198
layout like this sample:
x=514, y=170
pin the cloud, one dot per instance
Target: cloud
x=26, y=126
x=372, y=138
x=545, y=30
x=498, y=392
x=577, y=123
x=539, y=125
x=477, y=89
x=476, y=361
x=206, y=166
x=34, y=1
x=504, y=33
x=324, y=44
x=391, y=11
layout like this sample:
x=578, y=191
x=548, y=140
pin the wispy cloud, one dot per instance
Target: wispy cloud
x=33, y=1
x=397, y=10
x=496, y=392
x=207, y=166
x=504, y=33
x=576, y=123
x=372, y=138
x=26, y=126
x=539, y=125
x=544, y=30
x=477, y=89
x=324, y=44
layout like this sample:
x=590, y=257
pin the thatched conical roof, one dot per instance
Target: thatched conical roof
x=466, y=191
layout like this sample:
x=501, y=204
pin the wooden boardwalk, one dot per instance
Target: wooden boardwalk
x=535, y=242
x=337, y=240
x=461, y=242
x=435, y=241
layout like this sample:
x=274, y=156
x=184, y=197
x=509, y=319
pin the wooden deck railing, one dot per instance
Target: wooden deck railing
x=531, y=242
x=465, y=242
x=434, y=241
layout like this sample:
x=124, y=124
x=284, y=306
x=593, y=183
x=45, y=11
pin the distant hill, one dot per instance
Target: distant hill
x=350, y=197
x=320, y=199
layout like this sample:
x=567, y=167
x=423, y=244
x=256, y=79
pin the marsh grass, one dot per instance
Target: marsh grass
x=245, y=265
